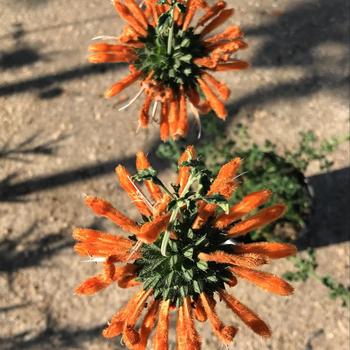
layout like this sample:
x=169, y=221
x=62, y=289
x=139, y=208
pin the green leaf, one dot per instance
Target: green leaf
x=181, y=7
x=202, y=265
x=145, y=174
x=170, y=278
x=200, y=240
x=174, y=259
x=186, y=58
x=212, y=278
x=188, y=274
x=189, y=253
x=219, y=200
x=185, y=43
x=198, y=286
x=184, y=291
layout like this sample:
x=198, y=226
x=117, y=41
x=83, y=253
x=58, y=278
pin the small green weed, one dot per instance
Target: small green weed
x=306, y=267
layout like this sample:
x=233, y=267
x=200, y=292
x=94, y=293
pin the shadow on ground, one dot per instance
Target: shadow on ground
x=32, y=145
x=15, y=254
x=329, y=223
x=53, y=337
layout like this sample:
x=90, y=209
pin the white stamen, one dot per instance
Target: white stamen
x=145, y=199
x=197, y=119
x=236, y=177
x=104, y=37
x=154, y=111
x=134, y=250
x=132, y=100
x=96, y=259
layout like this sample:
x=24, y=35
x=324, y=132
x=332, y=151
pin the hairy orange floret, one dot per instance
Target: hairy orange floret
x=172, y=58
x=181, y=253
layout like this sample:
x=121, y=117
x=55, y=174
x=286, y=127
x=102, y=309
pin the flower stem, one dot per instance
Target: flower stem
x=166, y=236
x=171, y=32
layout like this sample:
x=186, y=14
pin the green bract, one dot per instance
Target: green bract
x=174, y=68
x=171, y=266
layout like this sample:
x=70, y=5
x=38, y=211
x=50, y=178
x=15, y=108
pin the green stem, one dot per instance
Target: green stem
x=160, y=183
x=171, y=32
x=166, y=236
x=188, y=185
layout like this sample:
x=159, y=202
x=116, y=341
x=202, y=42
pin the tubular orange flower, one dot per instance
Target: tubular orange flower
x=181, y=258
x=167, y=53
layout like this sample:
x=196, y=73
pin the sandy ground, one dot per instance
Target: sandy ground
x=59, y=139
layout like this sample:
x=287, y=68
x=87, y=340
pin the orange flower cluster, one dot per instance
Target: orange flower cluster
x=203, y=92
x=236, y=260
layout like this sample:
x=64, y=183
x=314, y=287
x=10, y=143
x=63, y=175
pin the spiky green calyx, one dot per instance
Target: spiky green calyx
x=172, y=65
x=171, y=266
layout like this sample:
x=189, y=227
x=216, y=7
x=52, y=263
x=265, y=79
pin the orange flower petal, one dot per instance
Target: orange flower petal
x=137, y=12
x=96, y=243
x=215, y=103
x=227, y=48
x=184, y=171
x=191, y=8
x=102, y=57
x=103, y=208
x=193, y=95
x=130, y=18
x=199, y=311
x=143, y=163
x=264, y=280
x=217, y=21
x=207, y=62
x=211, y=12
x=92, y=285
x=132, y=190
x=273, y=250
x=220, y=87
x=104, y=47
x=224, y=333
x=245, y=206
x=181, y=332
x=90, y=235
x=164, y=122
x=148, y=324
x=192, y=334
x=144, y=116
x=153, y=8
x=237, y=65
x=245, y=260
x=182, y=124
x=160, y=339
x=122, y=84
x=162, y=205
x=225, y=182
x=173, y=114
x=262, y=218
x=103, y=250
x=116, y=325
x=130, y=335
x=230, y=33
x=205, y=211
x=252, y=320
x=151, y=230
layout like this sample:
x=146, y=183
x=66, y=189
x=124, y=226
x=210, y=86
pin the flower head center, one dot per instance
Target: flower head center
x=177, y=67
